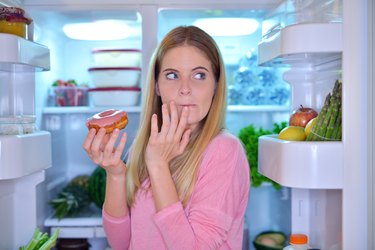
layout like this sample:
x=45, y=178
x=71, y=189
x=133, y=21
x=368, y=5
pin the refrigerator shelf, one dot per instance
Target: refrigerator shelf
x=86, y=109
x=302, y=45
x=301, y=164
x=87, y=224
x=22, y=155
x=137, y=109
x=20, y=55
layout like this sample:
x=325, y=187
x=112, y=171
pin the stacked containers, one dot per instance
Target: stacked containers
x=116, y=77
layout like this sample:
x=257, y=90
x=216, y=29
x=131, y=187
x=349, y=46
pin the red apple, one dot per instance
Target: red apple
x=301, y=116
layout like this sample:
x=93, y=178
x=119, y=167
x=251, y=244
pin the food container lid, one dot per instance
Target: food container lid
x=14, y=14
x=115, y=50
x=115, y=89
x=115, y=68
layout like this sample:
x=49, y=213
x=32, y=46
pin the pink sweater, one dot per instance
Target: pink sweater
x=213, y=219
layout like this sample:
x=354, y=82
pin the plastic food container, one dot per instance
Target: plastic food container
x=17, y=125
x=117, y=57
x=115, y=77
x=70, y=96
x=13, y=21
x=116, y=96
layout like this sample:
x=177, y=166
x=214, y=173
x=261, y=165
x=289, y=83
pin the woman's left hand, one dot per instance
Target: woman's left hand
x=172, y=139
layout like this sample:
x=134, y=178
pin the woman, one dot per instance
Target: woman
x=186, y=181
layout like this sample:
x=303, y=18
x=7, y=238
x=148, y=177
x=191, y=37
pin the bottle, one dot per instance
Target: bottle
x=297, y=242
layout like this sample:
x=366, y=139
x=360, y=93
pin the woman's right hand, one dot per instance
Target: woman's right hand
x=100, y=147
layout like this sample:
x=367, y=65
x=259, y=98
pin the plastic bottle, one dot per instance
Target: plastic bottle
x=298, y=242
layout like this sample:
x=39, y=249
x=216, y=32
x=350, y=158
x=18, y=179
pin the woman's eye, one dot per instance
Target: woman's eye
x=171, y=76
x=200, y=76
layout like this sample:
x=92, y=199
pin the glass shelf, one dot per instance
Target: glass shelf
x=137, y=109
x=86, y=109
x=87, y=224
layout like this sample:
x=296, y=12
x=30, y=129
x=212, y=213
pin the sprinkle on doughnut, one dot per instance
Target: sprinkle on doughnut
x=109, y=119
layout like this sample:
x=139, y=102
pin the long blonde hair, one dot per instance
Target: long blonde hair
x=184, y=167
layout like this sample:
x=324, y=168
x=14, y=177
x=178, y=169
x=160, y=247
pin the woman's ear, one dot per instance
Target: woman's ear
x=157, y=91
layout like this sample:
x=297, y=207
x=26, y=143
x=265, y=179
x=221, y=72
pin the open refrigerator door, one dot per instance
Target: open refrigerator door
x=306, y=37
x=25, y=150
x=315, y=40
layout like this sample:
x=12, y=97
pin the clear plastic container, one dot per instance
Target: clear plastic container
x=17, y=125
x=11, y=125
x=298, y=242
x=28, y=124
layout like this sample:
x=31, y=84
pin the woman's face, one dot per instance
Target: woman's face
x=186, y=78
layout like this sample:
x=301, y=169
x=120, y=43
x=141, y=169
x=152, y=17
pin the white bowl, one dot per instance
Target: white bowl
x=117, y=57
x=115, y=96
x=115, y=77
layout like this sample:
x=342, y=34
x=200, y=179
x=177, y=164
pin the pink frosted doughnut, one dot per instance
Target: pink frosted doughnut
x=108, y=119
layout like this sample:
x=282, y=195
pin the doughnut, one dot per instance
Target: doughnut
x=109, y=119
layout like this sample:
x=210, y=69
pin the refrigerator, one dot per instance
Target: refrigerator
x=288, y=54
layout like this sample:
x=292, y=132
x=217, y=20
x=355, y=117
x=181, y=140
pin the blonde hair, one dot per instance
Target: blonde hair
x=184, y=167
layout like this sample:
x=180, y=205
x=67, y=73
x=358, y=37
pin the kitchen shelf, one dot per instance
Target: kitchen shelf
x=32, y=154
x=20, y=55
x=302, y=45
x=301, y=164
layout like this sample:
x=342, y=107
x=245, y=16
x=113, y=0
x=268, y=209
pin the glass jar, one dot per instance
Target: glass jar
x=13, y=21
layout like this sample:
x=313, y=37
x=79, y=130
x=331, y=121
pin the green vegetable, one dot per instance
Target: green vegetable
x=97, y=184
x=73, y=198
x=328, y=124
x=51, y=242
x=249, y=137
x=34, y=241
x=41, y=241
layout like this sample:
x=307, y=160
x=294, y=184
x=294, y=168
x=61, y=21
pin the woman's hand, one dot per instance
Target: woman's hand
x=172, y=139
x=101, y=149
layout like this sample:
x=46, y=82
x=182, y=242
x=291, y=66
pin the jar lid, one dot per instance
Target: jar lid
x=298, y=239
x=14, y=14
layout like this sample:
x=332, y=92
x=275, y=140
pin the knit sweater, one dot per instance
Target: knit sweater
x=213, y=217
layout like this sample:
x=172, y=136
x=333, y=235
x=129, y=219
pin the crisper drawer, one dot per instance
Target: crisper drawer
x=21, y=155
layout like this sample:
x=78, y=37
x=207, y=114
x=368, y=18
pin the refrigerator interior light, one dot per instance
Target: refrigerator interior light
x=227, y=26
x=98, y=30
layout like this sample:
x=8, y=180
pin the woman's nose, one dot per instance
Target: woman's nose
x=185, y=87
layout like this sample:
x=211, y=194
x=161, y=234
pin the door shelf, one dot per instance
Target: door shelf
x=22, y=155
x=20, y=55
x=301, y=164
x=302, y=45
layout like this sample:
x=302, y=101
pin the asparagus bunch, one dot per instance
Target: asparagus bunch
x=328, y=123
